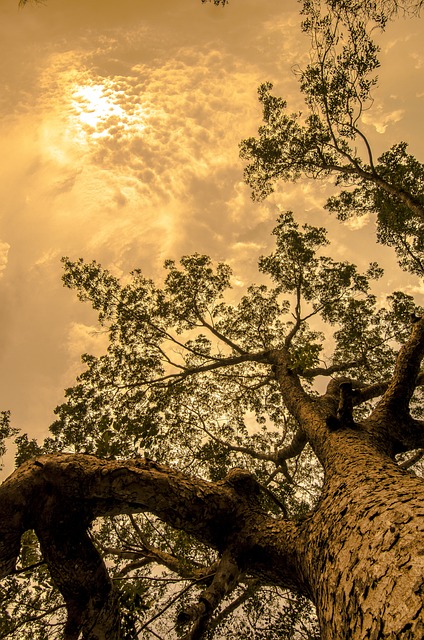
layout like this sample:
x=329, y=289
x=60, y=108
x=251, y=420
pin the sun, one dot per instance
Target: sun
x=96, y=107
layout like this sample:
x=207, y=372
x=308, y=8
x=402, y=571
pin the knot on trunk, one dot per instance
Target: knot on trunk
x=242, y=481
x=344, y=414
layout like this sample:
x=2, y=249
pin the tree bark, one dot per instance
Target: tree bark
x=359, y=555
x=364, y=548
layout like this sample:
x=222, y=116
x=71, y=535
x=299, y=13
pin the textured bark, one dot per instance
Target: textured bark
x=364, y=548
x=59, y=496
x=359, y=556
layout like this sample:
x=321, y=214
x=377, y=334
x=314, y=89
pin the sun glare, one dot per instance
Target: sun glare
x=98, y=108
x=94, y=108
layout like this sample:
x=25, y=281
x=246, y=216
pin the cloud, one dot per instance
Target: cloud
x=120, y=125
x=46, y=258
x=4, y=253
x=83, y=338
x=380, y=119
x=64, y=184
x=358, y=223
x=132, y=160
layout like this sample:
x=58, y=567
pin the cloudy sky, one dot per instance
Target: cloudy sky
x=119, y=124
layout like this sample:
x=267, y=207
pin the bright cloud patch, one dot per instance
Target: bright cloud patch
x=100, y=109
x=380, y=120
x=358, y=223
x=4, y=252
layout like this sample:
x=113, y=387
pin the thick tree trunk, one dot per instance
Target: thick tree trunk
x=364, y=547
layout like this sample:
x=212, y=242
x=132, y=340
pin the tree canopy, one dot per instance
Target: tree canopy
x=327, y=140
x=244, y=465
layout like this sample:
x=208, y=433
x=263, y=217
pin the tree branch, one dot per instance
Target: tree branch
x=224, y=581
x=413, y=205
x=220, y=335
x=59, y=495
x=329, y=371
x=407, y=464
x=294, y=449
x=217, y=364
x=252, y=586
x=390, y=421
x=396, y=398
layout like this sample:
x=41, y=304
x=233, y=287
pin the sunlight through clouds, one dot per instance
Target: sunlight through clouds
x=97, y=106
x=151, y=151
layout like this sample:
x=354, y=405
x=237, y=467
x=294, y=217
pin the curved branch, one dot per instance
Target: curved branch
x=390, y=421
x=413, y=205
x=216, y=364
x=59, y=495
x=294, y=449
x=362, y=135
x=396, y=398
x=298, y=319
x=329, y=371
x=305, y=408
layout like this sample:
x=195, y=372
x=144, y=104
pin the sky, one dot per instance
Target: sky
x=119, y=130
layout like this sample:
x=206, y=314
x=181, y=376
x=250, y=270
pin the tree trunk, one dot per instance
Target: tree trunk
x=359, y=555
x=364, y=547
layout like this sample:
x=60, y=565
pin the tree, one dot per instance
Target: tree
x=242, y=413
x=328, y=140
x=225, y=454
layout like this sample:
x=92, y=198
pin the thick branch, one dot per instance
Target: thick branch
x=293, y=449
x=345, y=407
x=398, y=394
x=224, y=581
x=413, y=205
x=305, y=409
x=216, y=364
x=391, y=421
x=59, y=495
x=365, y=392
x=79, y=573
x=329, y=371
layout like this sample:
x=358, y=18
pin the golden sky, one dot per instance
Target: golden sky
x=119, y=123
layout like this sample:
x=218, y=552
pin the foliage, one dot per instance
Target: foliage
x=30, y=607
x=396, y=226
x=175, y=385
x=6, y=431
x=327, y=140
